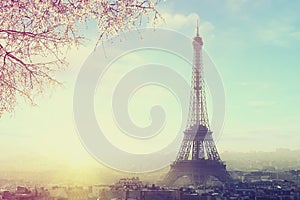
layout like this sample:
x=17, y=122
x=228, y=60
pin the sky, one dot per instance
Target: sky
x=254, y=45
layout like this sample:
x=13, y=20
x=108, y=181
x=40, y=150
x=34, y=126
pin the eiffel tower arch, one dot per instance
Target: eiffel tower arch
x=198, y=158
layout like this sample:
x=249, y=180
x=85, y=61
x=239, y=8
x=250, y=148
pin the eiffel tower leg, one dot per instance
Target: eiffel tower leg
x=171, y=177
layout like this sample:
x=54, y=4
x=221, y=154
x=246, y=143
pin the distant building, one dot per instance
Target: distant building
x=58, y=193
x=77, y=193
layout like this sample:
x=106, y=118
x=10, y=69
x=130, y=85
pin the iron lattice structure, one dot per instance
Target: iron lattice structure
x=198, y=157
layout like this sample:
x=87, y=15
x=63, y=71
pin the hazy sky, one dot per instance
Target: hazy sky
x=255, y=46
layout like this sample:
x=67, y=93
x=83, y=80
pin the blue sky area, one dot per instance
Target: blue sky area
x=255, y=46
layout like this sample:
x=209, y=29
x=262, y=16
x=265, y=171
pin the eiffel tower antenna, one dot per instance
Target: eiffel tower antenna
x=197, y=27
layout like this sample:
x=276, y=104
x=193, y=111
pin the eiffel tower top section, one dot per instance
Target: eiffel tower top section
x=197, y=38
x=197, y=109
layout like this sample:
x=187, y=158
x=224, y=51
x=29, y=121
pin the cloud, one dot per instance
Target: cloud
x=238, y=6
x=260, y=103
x=185, y=24
x=278, y=32
x=257, y=84
x=234, y=5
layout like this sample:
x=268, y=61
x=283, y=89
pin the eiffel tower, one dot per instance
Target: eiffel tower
x=198, y=158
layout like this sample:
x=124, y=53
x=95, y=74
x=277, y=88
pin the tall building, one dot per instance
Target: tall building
x=198, y=158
